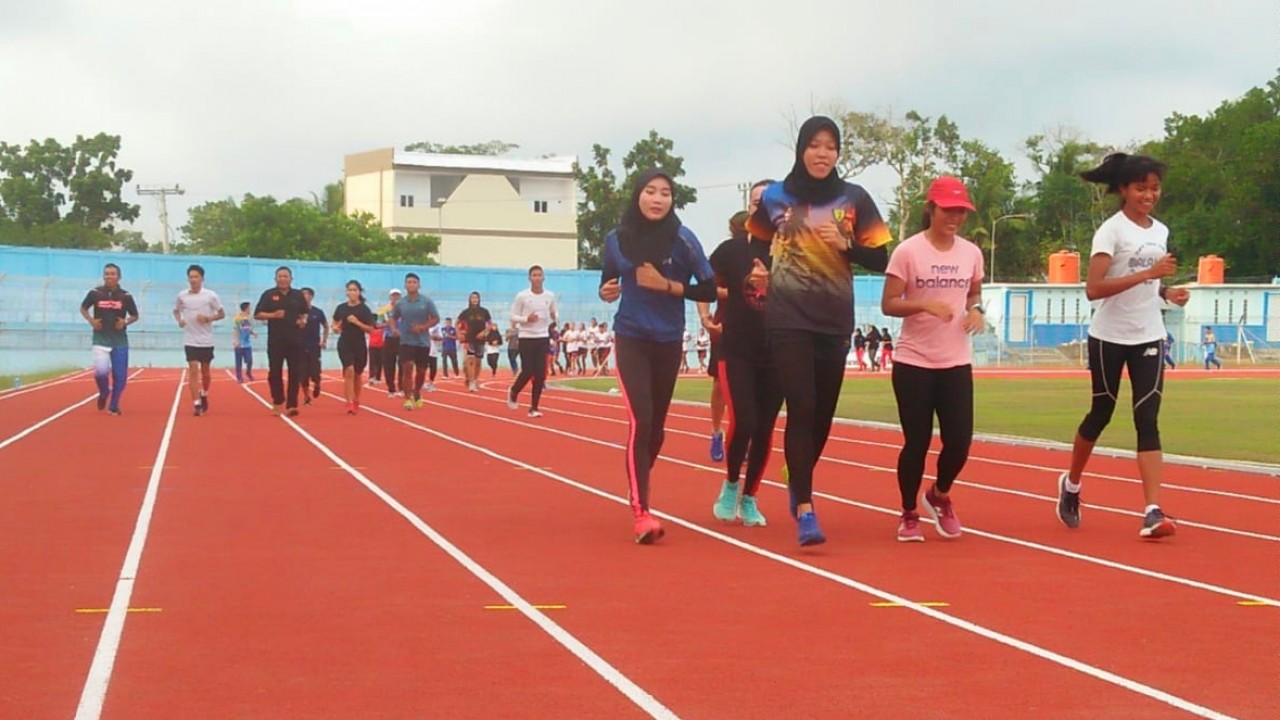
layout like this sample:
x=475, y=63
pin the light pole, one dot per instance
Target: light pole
x=440, y=223
x=993, y=238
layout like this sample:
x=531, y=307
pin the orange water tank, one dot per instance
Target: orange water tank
x=1212, y=270
x=1064, y=267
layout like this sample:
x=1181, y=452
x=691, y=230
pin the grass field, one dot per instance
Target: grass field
x=28, y=378
x=1207, y=417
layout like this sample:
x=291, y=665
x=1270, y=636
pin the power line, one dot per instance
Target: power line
x=161, y=193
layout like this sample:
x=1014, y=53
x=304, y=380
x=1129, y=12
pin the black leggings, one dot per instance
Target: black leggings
x=753, y=397
x=447, y=357
x=1146, y=380
x=533, y=366
x=375, y=363
x=432, y=363
x=647, y=377
x=278, y=354
x=921, y=392
x=391, y=361
x=811, y=371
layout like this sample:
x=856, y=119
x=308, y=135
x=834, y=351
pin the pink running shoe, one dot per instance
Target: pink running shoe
x=909, y=528
x=942, y=512
x=648, y=529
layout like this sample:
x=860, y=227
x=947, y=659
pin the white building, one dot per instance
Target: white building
x=488, y=211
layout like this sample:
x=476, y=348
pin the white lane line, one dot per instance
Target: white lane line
x=883, y=595
x=609, y=673
x=964, y=482
x=104, y=657
x=1154, y=574
x=1251, y=468
x=41, y=423
x=41, y=385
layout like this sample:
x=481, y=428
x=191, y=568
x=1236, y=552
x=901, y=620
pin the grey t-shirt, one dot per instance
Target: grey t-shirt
x=408, y=313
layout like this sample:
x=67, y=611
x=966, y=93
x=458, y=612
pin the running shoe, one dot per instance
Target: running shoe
x=197, y=410
x=431, y=387
x=648, y=529
x=204, y=402
x=810, y=533
x=717, y=447
x=943, y=513
x=417, y=403
x=750, y=513
x=511, y=401
x=786, y=475
x=276, y=410
x=102, y=401
x=351, y=408
x=726, y=507
x=1157, y=525
x=909, y=527
x=115, y=411
x=293, y=412
x=408, y=405
x=1068, y=506
x=535, y=413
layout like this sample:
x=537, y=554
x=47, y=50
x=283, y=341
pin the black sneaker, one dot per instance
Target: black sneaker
x=1157, y=525
x=1068, y=504
x=102, y=402
x=204, y=403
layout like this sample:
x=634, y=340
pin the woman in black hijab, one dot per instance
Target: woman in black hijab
x=820, y=225
x=648, y=262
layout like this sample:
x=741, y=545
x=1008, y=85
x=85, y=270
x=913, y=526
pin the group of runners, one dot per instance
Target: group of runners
x=781, y=333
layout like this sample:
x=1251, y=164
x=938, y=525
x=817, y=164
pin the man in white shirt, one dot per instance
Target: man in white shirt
x=533, y=313
x=196, y=309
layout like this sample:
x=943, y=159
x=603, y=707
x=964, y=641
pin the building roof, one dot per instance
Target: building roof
x=562, y=165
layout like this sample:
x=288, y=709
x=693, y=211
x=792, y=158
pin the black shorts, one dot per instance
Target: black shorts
x=713, y=364
x=198, y=354
x=476, y=349
x=355, y=356
x=416, y=354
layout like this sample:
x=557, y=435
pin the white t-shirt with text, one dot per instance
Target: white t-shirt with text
x=1131, y=317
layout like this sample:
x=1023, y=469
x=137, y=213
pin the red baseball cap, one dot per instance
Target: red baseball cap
x=949, y=192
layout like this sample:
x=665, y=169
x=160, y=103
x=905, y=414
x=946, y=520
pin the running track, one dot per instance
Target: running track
x=462, y=561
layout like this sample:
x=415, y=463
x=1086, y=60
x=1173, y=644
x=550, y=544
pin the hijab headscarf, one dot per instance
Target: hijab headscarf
x=640, y=239
x=799, y=184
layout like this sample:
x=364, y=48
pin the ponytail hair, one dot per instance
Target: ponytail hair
x=358, y=287
x=1120, y=169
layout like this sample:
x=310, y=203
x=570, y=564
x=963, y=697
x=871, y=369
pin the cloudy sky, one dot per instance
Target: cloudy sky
x=266, y=96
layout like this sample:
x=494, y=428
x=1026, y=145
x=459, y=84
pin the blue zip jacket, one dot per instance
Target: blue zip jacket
x=645, y=314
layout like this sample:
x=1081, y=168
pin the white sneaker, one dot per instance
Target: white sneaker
x=431, y=387
x=475, y=387
x=511, y=402
x=535, y=414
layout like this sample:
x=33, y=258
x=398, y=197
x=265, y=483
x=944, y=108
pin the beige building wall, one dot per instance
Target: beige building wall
x=487, y=220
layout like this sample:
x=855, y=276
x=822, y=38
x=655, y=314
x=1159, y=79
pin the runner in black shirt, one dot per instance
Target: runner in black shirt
x=749, y=380
x=473, y=327
x=353, y=321
x=113, y=311
x=285, y=311
x=315, y=338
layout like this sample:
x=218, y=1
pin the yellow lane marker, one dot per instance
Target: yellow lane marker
x=535, y=607
x=90, y=611
x=921, y=604
x=1255, y=603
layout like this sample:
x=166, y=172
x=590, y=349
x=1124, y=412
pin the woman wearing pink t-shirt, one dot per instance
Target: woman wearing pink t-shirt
x=934, y=282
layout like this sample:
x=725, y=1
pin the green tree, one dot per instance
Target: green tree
x=45, y=183
x=916, y=149
x=1066, y=208
x=299, y=230
x=1221, y=194
x=493, y=147
x=604, y=197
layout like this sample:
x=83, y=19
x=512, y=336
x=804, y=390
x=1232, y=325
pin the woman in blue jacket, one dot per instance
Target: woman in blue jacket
x=649, y=261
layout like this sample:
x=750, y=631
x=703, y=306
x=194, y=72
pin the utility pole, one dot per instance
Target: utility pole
x=745, y=189
x=161, y=193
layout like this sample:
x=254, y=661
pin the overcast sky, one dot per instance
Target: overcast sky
x=266, y=96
